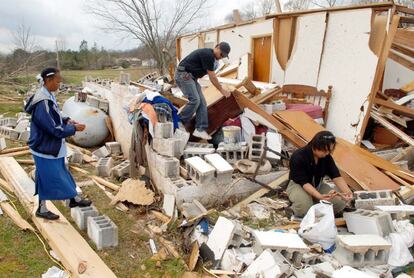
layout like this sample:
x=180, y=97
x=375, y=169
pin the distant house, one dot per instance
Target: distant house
x=149, y=63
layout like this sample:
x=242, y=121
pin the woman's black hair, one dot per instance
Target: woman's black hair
x=323, y=141
x=48, y=73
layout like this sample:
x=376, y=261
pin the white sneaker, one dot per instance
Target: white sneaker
x=201, y=134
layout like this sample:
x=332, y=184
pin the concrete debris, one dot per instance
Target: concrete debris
x=3, y=143
x=220, y=237
x=268, y=265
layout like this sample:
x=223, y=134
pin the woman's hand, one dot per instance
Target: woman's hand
x=79, y=127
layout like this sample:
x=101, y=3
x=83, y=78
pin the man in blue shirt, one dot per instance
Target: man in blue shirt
x=194, y=66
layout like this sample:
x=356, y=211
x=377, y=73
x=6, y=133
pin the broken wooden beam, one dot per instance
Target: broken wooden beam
x=105, y=183
x=396, y=131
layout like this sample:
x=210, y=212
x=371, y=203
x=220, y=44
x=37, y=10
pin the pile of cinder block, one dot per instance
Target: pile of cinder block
x=213, y=170
x=370, y=199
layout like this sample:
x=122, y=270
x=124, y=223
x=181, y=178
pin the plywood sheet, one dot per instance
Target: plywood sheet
x=303, y=65
x=369, y=177
x=349, y=65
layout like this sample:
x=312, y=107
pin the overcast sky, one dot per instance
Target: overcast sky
x=68, y=20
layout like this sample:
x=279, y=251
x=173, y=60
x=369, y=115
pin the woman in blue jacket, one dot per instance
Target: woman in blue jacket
x=48, y=131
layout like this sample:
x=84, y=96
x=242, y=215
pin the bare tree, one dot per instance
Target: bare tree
x=254, y=9
x=23, y=38
x=296, y=5
x=154, y=23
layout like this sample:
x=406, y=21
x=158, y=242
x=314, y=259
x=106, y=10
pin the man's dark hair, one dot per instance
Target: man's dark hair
x=323, y=141
x=49, y=73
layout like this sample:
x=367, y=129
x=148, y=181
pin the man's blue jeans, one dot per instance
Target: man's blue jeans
x=196, y=101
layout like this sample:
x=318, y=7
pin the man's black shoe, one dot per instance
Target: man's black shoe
x=81, y=203
x=47, y=215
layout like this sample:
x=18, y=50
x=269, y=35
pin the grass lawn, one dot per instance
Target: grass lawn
x=75, y=77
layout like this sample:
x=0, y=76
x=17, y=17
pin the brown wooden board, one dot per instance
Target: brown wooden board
x=404, y=37
x=398, y=109
x=261, y=58
x=369, y=177
x=218, y=113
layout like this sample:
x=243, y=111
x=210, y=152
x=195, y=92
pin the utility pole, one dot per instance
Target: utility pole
x=57, y=55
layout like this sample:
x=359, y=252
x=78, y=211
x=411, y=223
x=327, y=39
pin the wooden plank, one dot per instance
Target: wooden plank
x=105, y=183
x=399, y=109
x=404, y=9
x=404, y=37
x=401, y=60
x=15, y=216
x=266, y=95
x=69, y=245
x=259, y=193
x=12, y=150
x=404, y=50
x=5, y=185
x=379, y=73
x=369, y=177
x=19, y=153
x=396, y=131
x=407, y=19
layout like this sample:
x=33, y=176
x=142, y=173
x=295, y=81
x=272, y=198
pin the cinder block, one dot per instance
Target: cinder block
x=268, y=265
x=76, y=157
x=200, y=171
x=256, y=147
x=168, y=147
x=220, y=237
x=8, y=132
x=24, y=136
x=180, y=182
x=290, y=245
x=232, y=152
x=224, y=170
x=361, y=250
x=197, y=151
x=163, y=130
x=369, y=222
x=104, y=166
x=114, y=148
x=80, y=215
x=200, y=145
x=3, y=143
x=124, y=78
x=101, y=152
x=8, y=122
x=22, y=116
x=370, y=199
x=102, y=231
x=183, y=136
x=121, y=169
x=92, y=101
x=168, y=167
x=103, y=105
x=22, y=125
x=310, y=258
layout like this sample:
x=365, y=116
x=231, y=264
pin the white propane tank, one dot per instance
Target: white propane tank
x=96, y=130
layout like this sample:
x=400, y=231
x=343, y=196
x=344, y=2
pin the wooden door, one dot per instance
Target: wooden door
x=261, y=58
